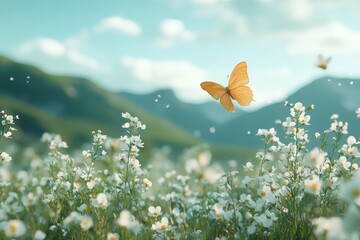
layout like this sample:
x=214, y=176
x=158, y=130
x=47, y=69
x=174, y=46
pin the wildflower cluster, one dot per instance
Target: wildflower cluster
x=289, y=190
x=6, y=131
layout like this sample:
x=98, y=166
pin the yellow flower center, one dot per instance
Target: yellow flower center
x=155, y=213
x=263, y=192
x=218, y=214
x=314, y=186
x=12, y=228
x=163, y=227
x=356, y=192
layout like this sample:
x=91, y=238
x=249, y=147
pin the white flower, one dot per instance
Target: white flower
x=154, y=211
x=350, y=191
x=351, y=140
x=82, y=208
x=125, y=219
x=218, y=209
x=102, y=200
x=39, y=235
x=147, y=182
x=248, y=167
x=263, y=221
x=86, y=223
x=112, y=236
x=5, y=157
x=91, y=184
x=8, y=134
x=354, y=166
x=317, y=135
x=29, y=200
x=128, y=221
x=358, y=112
x=344, y=163
x=134, y=164
x=162, y=225
x=304, y=119
x=15, y=228
x=313, y=184
x=316, y=158
x=86, y=153
x=204, y=158
x=334, y=117
x=329, y=228
x=262, y=132
x=299, y=106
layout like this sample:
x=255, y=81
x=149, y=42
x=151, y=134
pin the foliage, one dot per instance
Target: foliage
x=287, y=192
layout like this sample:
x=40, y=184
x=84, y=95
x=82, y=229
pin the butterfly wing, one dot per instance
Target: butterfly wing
x=239, y=76
x=243, y=95
x=322, y=62
x=214, y=89
x=226, y=102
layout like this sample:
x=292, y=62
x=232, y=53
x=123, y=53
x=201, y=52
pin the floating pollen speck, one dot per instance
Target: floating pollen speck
x=352, y=83
x=156, y=100
x=27, y=81
x=248, y=132
x=197, y=133
x=28, y=77
x=329, y=80
x=339, y=84
x=167, y=106
x=11, y=79
x=212, y=130
x=159, y=96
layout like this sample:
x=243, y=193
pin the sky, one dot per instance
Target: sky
x=144, y=45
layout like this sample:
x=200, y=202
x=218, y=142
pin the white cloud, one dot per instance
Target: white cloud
x=120, y=25
x=80, y=59
x=173, y=30
x=209, y=1
x=46, y=46
x=181, y=76
x=67, y=51
x=300, y=10
x=333, y=38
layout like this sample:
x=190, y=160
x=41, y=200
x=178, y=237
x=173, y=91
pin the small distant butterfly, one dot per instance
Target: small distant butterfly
x=322, y=62
x=235, y=89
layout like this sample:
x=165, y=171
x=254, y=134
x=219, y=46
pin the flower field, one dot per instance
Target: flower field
x=288, y=190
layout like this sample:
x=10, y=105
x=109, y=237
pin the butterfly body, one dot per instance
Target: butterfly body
x=322, y=62
x=228, y=92
x=235, y=89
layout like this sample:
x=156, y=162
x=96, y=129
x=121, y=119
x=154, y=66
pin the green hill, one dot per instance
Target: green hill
x=74, y=107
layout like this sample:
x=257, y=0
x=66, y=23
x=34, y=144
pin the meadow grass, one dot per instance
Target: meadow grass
x=104, y=192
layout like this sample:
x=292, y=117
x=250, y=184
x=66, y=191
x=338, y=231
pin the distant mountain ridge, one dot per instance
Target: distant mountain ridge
x=76, y=106
x=329, y=95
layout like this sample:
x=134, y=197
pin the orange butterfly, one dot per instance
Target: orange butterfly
x=235, y=89
x=322, y=62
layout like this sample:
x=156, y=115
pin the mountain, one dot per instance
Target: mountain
x=194, y=118
x=74, y=107
x=339, y=95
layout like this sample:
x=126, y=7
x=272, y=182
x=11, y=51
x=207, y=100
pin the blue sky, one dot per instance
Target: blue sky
x=149, y=44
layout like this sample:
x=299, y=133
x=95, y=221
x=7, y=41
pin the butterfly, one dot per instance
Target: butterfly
x=322, y=62
x=236, y=89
